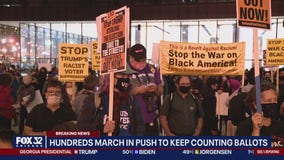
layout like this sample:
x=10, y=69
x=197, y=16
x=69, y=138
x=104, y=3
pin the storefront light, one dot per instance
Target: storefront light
x=4, y=50
x=14, y=48
x=3, y=40
x=11, y=40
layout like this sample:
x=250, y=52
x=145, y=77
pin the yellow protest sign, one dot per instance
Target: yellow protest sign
x=202, y=59
x=275, y=52
x=95, y=56
x=254, y=13
x=73, y=62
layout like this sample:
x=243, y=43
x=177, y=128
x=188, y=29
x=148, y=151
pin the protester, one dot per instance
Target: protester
x=26, y=95
x=210, y=124
x=34, y=74
x=54, y=72
x=147, y=88
x=265, y=123
x=197, y=86
x=181, y=113
x=42, y=74
x=54, y=111
x=49, y=77
x=6, y=138
x=2, y=68
x=267, y=76
x=234, y=84
x=238, y=110
x=223, y=84
x=6, y=100
x=89, y=87
x=71, y=90
x=95, y=109
x=169, y=84
x=17, y=82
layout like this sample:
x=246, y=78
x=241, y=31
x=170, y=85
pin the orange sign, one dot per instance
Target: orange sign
x=254, y=13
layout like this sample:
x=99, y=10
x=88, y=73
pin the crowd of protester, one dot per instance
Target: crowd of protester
x=144, y=104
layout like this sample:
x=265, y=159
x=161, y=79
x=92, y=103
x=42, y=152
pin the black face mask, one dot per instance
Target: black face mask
x=42, y=74
x=270, y=110
x=122, y=84
x=184, y=89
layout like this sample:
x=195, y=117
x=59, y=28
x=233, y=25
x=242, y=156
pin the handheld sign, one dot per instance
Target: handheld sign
x=113, y=38
x=73, y=62
x=275, y=52
x=96, y=57
x=254, y=13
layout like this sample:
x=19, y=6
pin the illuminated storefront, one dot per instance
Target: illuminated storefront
x=28, y=44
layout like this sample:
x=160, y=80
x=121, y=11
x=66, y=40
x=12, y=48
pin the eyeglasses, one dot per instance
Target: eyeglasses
x=53, y=93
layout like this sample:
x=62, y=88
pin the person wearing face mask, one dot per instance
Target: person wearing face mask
x=147, y=89
x=44, y=117
x=210, y=125
x=71, y=90
x=181, y=113
x=42, y=77
x=94, y=117
x=123, y=107
x=25, y=95
x=265, y=123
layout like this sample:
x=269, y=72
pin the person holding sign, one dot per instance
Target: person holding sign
x=94, y=113
x=181, y=113
x=265, y=123
x=147, y=86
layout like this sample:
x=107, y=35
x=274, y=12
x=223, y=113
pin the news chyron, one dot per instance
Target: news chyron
x=90, y=143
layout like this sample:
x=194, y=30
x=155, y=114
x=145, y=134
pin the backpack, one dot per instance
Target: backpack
x=92, y=113
x=238, y=110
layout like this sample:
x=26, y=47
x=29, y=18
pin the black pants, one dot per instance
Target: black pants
x=152, y=129
x=23, y=116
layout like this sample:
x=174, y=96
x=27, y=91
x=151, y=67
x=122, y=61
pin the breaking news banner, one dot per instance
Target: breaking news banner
x=90, y=145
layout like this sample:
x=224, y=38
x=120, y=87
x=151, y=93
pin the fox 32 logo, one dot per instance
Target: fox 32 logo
x=29, y=142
